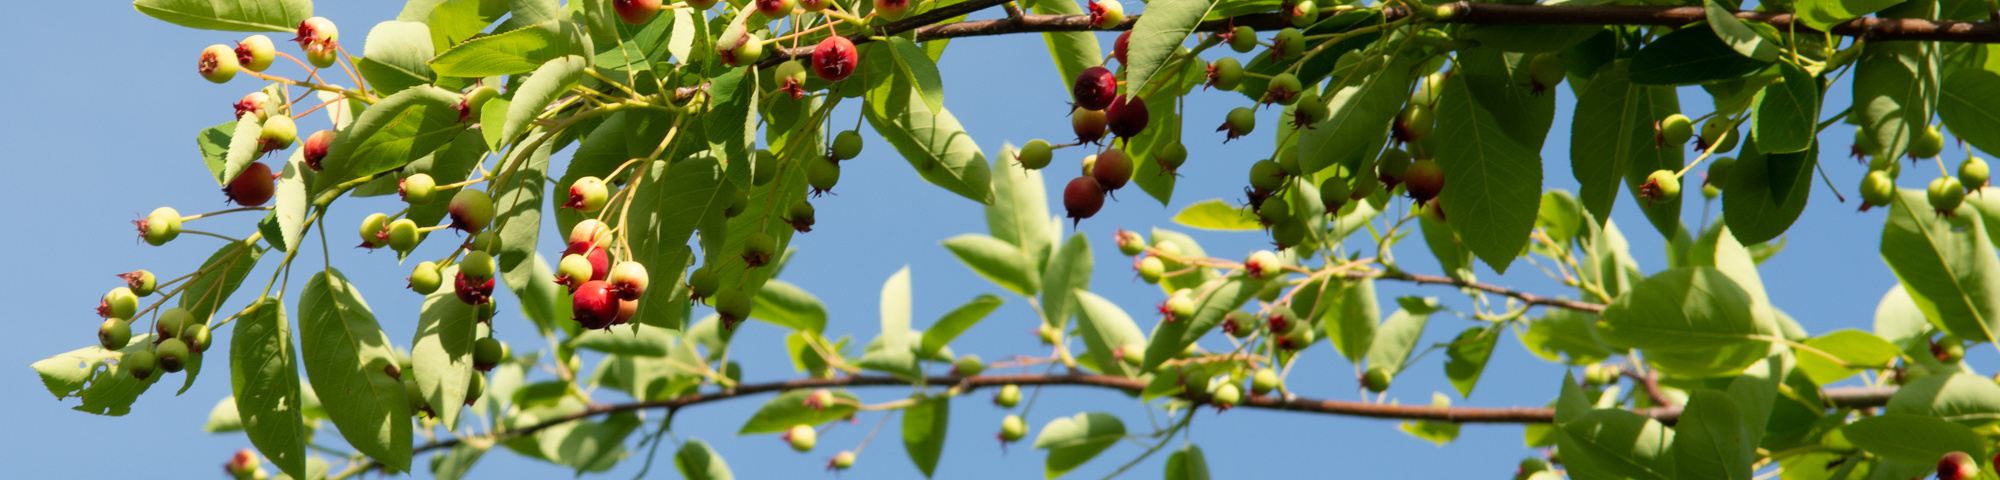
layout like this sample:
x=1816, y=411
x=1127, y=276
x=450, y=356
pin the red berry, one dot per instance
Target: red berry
x=1095, y=88
x=594, y=305
x=774, y=8
x=253, y=187
x=1127, y=116
x=1424, y=179
x=316, y=147
x=473, y=291
x=1119, y=48
x=834, y=59
x=1083, y=198
x=636, y=12
x=1957, y=466
x=892, y=8
x=1112, y=169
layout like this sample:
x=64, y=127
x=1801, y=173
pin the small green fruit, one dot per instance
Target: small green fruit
x=1035, y=155
x=1239, y=122
x=114, y=333
x=573, y=270
x=763, y=168
x=1264, y=381
x=217, y=64
x=1718, y=171
x=1239, y=324
x=278, y=133
x=1171, y=157
x=841, y=461
x=1545, y=71
x=488, y=352
x=1227, y=395
x=1013, y=428
x=173, y=354
x=1151, y=269
x=1718, y=129
x=1973, y=173
x=1243, y=39
x=140, y=363
x=1377, y=379
x=474, y=388
x=160, y=227
x=471, y=211
x=802, y=437
x=418, y=189
x=1008, y=396
x=1429, y=90
x=1334, y=194
x=1129, y=242
x=197, y=336
x=703, y=283
x=1180, y=305
x=587, y=195
x=172, y=322
x=1877, y=189
x=255, y=53
x=1423, y=180
x=1391, y=167
x=1304, y=14
x=1289, y=44
x=490, y=243
x=1675, y=130
x=1266, y=176
x=800, y=216
x=1928, y=144
x=822, y=174
x=476, y=264
x=737, y=203
x=425, y=278
x=375, y=231
x=118, y=303
x=734, y=307
x=968, y=365
x=1225, y=73
x=403, y=235
x=1275, y=211
x=1662, y=186
x=847, y=145
x=1946, y=194
x=415, y=395
x=1283, y=90
x=758, y=249
x=1598, y=374
x=1414, y=123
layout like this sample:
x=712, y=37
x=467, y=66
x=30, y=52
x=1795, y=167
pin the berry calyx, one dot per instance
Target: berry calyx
x=403, y=235
x=1106, y=14
x=1264, y=381
x=217, y=64
x=572, y=271
x=321, y=41
x=472, y=290
x=733, y=306
x=702, y=283
x=758, y=249
x=316, y=148
x=1957, y=466
x=822, y=174
x=1927, y=144
x=594, y=305
x=1877, y=190
x=1283, y=89
x=425, y=278
x=892, y=9
x=1088, y=124
x=417, y=189
x=474, y=102
x=801, y=437
x=800, y=216
x=1413, y=124
x=1945, y=195
x=1113, y=169
x=1424, y=179
x=118, y=303
x=1226, y=396
x=1095, y=88
x=1674, y=131
x=1129, y=242
x=967, y=366
x=1239, y=122
x=841, y=461
x=114, y=333
x=1008, y=396
x=1035, y=155
x=834, y=58
x=1262, y=264
x=1376, y=379
x=636, y=12
x=1242, y=39
x=253, y=187
x=846, y=145
x=587, y=195
x=470, y=210
x=141, y=282
x=629, y=280
x=374, y=231
x=1661, y=186
x=1127, y=116
x=1012, y=428
x=252, y=103
x=1266, y=176
x=255, y=53
x=1545, y=71
x=1082, y=198
x=792, y=78
x=1974, y=173
x=140, y=363
x=1224, y=73
x=173, y=355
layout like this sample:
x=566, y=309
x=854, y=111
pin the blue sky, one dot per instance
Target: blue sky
x=102, y=131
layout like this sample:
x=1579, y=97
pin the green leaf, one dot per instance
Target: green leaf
x=245, y=147
x=1071, y=441
x=1612, y=443
x=1501, y=84
x=94, y=374
x=1073, y=52
x=1000, y=262
x=1187, y=464
x=214, y=144
x=397, y=56
x=644, y=341
x=1895, y=85
x=1107, y=330
x=1613, y=128
x=441, y=353
x=690, y=192
x=896, y=309
x=924, y=431
x=789, y=306
x=1969, y=399
x=454, y=21
x=263, y=376
x=1067, y=272
x=519, y=198
x=1693, y=54
x=1019, y=215
x=1822, y=15
x=1711, y=439
x=956, y=322
x=230, y=15
x=1568, y=336
x=1946, y=263
x=549, y=81
x=1216, y=214
x=507, y=53
x=1751, y=204
x=1783, y=121
x=1361, y=108
x=790, y=409
x=1212, y=300
x=1397, y=337
x=346, y=351
x=390, y=134
x=916, y=67
x=698, y=462
x=223, y=418
x=1560, y=216
x=1495, y=182
x=1913, y=438
x=458, y=461
x=1970, y=106
x=1147, y=147
x=1439, y=433
x=221, y=274
x=1853, y=347
x=1695, y=312
x=935, y=144
x=1739, y=36
x=1157, y=35
x=290, y=203
x=1466, y=359
x=1350, y=326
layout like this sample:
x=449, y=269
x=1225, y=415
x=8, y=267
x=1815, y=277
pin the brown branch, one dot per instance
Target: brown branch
x=1525, y=297
x=1650, y=382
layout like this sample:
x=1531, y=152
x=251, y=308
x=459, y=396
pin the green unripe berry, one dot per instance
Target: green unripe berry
x=802, y=437
x=490, y=243
x=1239, y=122
x=173, y=355
x=372, y=229
x=1008, y=396
x=161, y=226
x=737, y=203
x=800, y=215
x=848, y=145
x=1545, y=71
x=1298, y=338
x=1283, y=89
x=278, y=133
x=1877, y=189
x=1171, y=157
x=1334, y=194
x=1710, y=192
x=1129, y=242
x=114, y=333
x=197, y=336
x=140, y=363
x=172, y=322
x=968, y=365
x=1274, y=211
x=1181, y=304
x=119, y=303
x=141, y=282
x=1264, y=381
x=1225, y=73
x=1151, y=269
x=1415, y=123
x=1673, y=131
x=1973, y=173
x=255, y=53
x=1927, y=144
x=1661, y=186
x=763, y=168
x=1598, y=374
x=1718, y=171
x=573, y=270
x=403, y=235
x=477, y=264
x=1035, y=155
x=1720, y=133
x=791, y=76
x=1946, y=194
x=1289, y=44
x=425, y=278
x=703, y=282
x=1310, y=109
x=474, y=388
x=750, y=51
x=841, y=461
x=217, y=63
x=1013, y=428
x=488, y=352
x=733, y=306
x=1429, y=90
x=758, y=249
x=1239, y=323
x=1304, y=14
x=1266, y=176
x=1377, y=379
x=418, y=189
x=1288, y=160
x=822, y=174
x=1243, y=39
x=475, y=100
x=1225, y=396
x=471, y=210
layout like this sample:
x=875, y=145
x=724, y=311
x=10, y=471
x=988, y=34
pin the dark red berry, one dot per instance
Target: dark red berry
x=1423, y=180
x=595, y=305
x=472, y=291
x=1126, y=116
x=1112, y=169
x=834, y=59
x=1083, y=198
x=1095, y=88
x=636, y=12
x=253, y=187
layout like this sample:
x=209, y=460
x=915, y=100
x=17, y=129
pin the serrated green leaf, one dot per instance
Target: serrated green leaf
x=549, y=81
x=397, y=56
x=1853, y=347
x=1611, y=443
x=1895, y=86
x=441, y=353
x=1711, y=439
x=697, y=461
x=1071, y=441
x=1073, y=52
x=1157, y=35
x=916, y=67
x=1947, y=265
x=1361, y=108
x=346, y=351
x=506, y=53
x=1466, y=359
x=93, y=374
x=1784, y=120
x=1568, y=336
x=390, y=134
x=1696, y=312
x=263, y=375
x=1495, y=182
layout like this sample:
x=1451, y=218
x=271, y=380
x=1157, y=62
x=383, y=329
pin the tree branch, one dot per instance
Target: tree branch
x=1525, y=297
x=1852, y=397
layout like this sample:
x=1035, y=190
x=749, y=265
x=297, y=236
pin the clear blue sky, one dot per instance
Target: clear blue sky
x=106, y=104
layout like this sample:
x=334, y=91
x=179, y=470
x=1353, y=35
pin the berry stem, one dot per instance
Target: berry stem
x=363, y=97
x=219, y=212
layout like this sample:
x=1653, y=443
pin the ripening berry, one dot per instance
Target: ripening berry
x=488, y=352
x=1957, y=466
x=1113, y=169
x=1262, y=264
x=403, y=235
x=834, y=58
x=733, y=306
x=594, y=305
x=1088, y=124
x=587, y=195
x=590, y=232
x=791, y=78
x=316, y=148
x=1927, y=144
x=417, y=189
x=841, y=461
x=114, y=333
x=255, y=53
x=1661, y=186
x=1008, y=396
x=1082, y=198
x=629, y=280
x=1127, y=116
x=253, y=187
x=321, y=41
x=425, y=278
x=243, y=465
x=892, y=9
x=846, y=145
x=118, y=303
x=1239, y=122
x=599, y=258
x=1035, y=155
x=374, y=231
x=1672, y=131
x=1545, y=71
x=197, y=336
x=1413, y=124
x=1012, y=428
x=1095, y=88
x=1106, y=14
x=1121, y=47
x=1425, y=179
x=173, y=355
x=252, y=103
x=801, y=437
x=572, y=271
x=1225, y=73
x=1429, y=90
x=217, y=64
x=471, y=210
x=774, y=9
x=636, y=12
x=141, y=282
